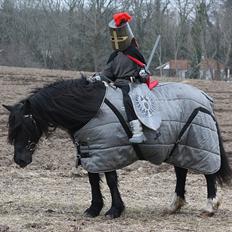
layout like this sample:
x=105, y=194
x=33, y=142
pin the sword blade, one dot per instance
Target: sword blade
x=153, y=52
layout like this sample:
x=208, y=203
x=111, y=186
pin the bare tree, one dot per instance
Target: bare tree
x=225, y=21
x=74, y=34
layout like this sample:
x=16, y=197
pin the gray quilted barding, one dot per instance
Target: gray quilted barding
x=106, y=146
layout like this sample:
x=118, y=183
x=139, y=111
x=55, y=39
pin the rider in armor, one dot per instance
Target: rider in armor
x=123, y=66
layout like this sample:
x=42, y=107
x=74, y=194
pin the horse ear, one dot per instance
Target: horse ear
x=9, y=108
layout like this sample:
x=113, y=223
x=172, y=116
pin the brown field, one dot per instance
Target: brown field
x=50, y=195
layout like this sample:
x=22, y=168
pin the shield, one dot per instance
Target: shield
x=145, y=106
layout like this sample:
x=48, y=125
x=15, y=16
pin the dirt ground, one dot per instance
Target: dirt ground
x=51, y=195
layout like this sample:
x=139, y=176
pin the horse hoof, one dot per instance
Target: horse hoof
x=113, y=213
x=211, y=207
x=91, y=213
x=166, y=211
x=109, y=216
x=176, y=204
x=88, y=215
x=206, y=214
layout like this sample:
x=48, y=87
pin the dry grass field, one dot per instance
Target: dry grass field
x=50, y=195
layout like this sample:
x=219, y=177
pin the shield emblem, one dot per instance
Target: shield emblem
x=145, y=106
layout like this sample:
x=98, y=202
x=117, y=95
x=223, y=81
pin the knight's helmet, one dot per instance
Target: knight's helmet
x=121, y=33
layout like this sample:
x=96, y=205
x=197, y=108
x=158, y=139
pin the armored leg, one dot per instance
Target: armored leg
x=136, y=126
x=137, y=131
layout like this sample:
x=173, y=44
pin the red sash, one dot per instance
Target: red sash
x=150, y=84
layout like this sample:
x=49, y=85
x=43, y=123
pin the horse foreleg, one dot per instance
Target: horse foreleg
x=213, y=201
x=179, y=197
x=117, y=205
x=97, y=200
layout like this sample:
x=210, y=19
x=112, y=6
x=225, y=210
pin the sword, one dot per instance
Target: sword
x=152, y=52
x=145, y=71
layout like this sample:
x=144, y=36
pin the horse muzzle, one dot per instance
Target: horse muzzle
x=22, y=162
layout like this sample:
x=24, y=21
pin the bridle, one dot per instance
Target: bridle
x=31, y=146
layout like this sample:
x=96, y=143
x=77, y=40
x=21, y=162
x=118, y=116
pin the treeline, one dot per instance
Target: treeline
x=73, y=34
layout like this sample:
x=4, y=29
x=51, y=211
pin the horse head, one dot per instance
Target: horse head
x=68, y=104
x=24, y=132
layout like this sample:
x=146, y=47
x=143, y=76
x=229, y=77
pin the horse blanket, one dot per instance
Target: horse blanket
x=104, y=144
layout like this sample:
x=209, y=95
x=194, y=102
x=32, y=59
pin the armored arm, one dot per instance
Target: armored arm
x=99, y=77
x=144, y=75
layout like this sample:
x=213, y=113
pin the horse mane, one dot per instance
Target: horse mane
x=68, y=104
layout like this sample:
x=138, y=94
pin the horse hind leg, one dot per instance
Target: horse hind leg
x=178, y=200
x=117, y=206
x=213, y=200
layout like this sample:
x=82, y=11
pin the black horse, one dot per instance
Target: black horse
x=70, y=105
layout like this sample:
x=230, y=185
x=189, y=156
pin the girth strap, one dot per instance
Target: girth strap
x=125, y=127
x=187, y=124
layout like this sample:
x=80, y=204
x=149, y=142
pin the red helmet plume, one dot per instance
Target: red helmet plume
x=121, y=18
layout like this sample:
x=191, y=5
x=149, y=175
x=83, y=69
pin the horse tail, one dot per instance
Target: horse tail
x=224, y=175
